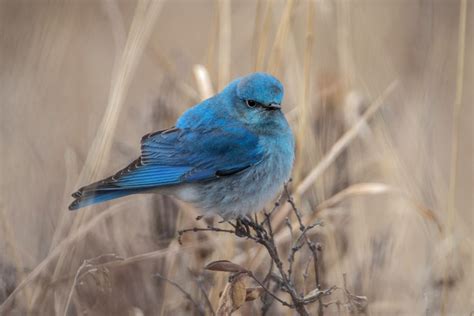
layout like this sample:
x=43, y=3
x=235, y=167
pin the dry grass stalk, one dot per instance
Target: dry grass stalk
x=283, y=236
x=261, y=34
x=344, y=51
x=336, y=149
x=199, y=308
x=457, y=107
x=203, y=81
x=344, y=141
x=374, y=189
x=274, y=61
x=140, y=30
x=304, y=108
x=145, y=16
x=397, y=151
x=170, y=69
x=455, y=132
x=225, y=43
x=60, y=248
x=88, y=266
x=78, y=235
x=8, y=236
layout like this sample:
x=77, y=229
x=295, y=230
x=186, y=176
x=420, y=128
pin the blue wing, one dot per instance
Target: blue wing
x=205, y=153
x=178, y=155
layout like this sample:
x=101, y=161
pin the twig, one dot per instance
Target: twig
x=88, y=265
x=290, y=228
x=291, y=256
x=199, y=307
x=206, y=297
x=293, y=207
x=316, y=294
x=314, y=251
x=263, y=234
x=354, y=302
x=73, y=286
x=275, y=207
x=298, y=244
x=266, y=282
x=250, y=274
x=208, y=229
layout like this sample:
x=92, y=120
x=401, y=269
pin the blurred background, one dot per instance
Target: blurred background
x=82, y=81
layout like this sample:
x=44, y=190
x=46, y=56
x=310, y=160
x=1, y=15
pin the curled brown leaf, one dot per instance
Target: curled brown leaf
x=225, y=266
x=252, y=293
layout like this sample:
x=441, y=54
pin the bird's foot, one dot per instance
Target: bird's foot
x=242, y=226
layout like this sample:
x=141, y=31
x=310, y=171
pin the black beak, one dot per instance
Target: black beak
x=272, y=106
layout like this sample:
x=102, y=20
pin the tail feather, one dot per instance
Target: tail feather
x=97, y=197
x=137, y=177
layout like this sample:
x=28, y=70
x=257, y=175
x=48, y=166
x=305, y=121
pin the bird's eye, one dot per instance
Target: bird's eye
x=251, y=103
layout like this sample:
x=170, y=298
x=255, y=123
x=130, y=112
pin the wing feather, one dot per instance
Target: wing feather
x=177, y=155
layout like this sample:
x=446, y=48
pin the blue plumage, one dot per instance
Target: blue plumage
x=229, y=154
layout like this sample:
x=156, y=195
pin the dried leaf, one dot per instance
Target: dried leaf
x=252, y=293
x=238, y=291
x=359, y=301
x=234, y=295
x=313, y=295
x=225, y=266
x=225, y=302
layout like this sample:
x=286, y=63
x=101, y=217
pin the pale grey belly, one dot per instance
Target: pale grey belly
x=243, y=193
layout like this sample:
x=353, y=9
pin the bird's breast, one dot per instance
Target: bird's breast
x=247, y=191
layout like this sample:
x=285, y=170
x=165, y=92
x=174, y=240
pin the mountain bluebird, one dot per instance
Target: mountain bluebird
x=228, y=155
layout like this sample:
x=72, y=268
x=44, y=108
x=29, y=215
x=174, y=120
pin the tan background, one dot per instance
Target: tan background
x=57, y=62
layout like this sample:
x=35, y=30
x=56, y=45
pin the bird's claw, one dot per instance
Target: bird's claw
x=242, y=226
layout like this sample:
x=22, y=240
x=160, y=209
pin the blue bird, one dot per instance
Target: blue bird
x=228, y=155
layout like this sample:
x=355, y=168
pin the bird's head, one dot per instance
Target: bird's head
x=256, y=102
x=260, y=91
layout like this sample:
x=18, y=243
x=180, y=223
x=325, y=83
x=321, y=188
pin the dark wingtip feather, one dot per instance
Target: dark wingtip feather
x=74, y=205
x=77, y=194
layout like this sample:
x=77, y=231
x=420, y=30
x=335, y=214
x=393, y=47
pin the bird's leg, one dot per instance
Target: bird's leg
x=249, y=223
x=239, y=227
x=242, y=228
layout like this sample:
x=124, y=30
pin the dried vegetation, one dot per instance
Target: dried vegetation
x=379, y=219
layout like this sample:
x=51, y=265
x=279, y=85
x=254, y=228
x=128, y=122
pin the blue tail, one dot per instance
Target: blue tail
x=135, y=178
x=98, y=197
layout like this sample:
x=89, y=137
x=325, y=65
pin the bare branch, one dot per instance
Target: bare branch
x=198, y=306
x=263, y=234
